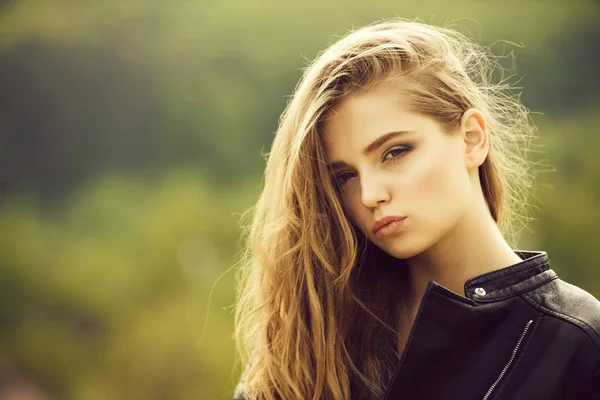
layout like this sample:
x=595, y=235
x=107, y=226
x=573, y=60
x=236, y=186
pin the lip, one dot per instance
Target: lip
x=387, y=225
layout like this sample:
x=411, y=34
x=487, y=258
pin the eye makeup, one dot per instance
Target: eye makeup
x=390, y=155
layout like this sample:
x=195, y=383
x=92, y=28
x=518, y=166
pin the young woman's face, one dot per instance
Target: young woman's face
x=394, y=163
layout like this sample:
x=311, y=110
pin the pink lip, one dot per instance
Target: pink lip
x=387, y=225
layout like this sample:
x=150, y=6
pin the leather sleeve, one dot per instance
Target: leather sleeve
x=594, y=387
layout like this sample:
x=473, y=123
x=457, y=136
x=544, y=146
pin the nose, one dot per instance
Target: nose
x=373, y=191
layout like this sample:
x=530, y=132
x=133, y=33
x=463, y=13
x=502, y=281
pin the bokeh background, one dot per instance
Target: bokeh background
x=131, y=135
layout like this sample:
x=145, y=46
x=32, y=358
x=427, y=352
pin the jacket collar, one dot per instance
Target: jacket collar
x=475, y=332
x=513, y=280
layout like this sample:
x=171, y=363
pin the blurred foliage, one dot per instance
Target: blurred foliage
x=130, y=143
x=107, y=296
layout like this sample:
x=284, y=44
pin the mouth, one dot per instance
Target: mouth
x=387, y=226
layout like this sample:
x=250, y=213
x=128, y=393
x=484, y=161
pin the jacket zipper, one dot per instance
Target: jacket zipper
x=512, y=357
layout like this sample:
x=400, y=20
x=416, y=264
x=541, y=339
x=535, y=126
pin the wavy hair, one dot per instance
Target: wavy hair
x=319, y=306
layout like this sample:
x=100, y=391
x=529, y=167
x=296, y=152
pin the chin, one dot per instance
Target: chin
x=400, y=248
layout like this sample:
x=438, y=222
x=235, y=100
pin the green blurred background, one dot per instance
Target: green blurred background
x=130, y=143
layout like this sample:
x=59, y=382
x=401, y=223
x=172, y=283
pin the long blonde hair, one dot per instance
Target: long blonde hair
x=311, y=322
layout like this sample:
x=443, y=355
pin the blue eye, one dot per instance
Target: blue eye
x=343, y=177
x=395, y=152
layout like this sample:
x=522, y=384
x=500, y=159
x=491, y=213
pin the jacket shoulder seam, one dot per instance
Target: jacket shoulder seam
x=584, y=326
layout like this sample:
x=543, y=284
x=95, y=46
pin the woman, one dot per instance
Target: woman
x=379, y=263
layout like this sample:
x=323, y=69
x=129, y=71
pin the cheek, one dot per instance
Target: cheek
x=357, y=213
x=436, y=186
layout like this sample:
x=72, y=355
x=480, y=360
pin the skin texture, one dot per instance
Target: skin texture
x=429, y=176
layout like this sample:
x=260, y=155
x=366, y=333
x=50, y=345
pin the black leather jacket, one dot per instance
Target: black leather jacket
x=519, y=333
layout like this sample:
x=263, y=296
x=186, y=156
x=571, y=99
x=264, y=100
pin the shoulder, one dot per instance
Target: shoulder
x=570, y=303
x=575, y=306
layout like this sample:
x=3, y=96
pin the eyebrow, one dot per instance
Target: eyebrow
x=380, y=141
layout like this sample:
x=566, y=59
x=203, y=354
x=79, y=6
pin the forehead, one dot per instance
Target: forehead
x=357, y=120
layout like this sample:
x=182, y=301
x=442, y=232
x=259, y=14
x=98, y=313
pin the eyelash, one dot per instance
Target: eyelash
x=404, y=148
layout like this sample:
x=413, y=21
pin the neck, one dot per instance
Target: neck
x=474, y=246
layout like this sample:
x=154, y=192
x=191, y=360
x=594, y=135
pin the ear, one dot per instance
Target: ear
x=473, y=127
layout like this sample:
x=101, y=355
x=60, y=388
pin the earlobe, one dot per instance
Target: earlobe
x=474, y=131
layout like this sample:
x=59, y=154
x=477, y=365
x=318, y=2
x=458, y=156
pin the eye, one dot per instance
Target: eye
x=395, y=152
x=391, y=154
x=343, y=177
